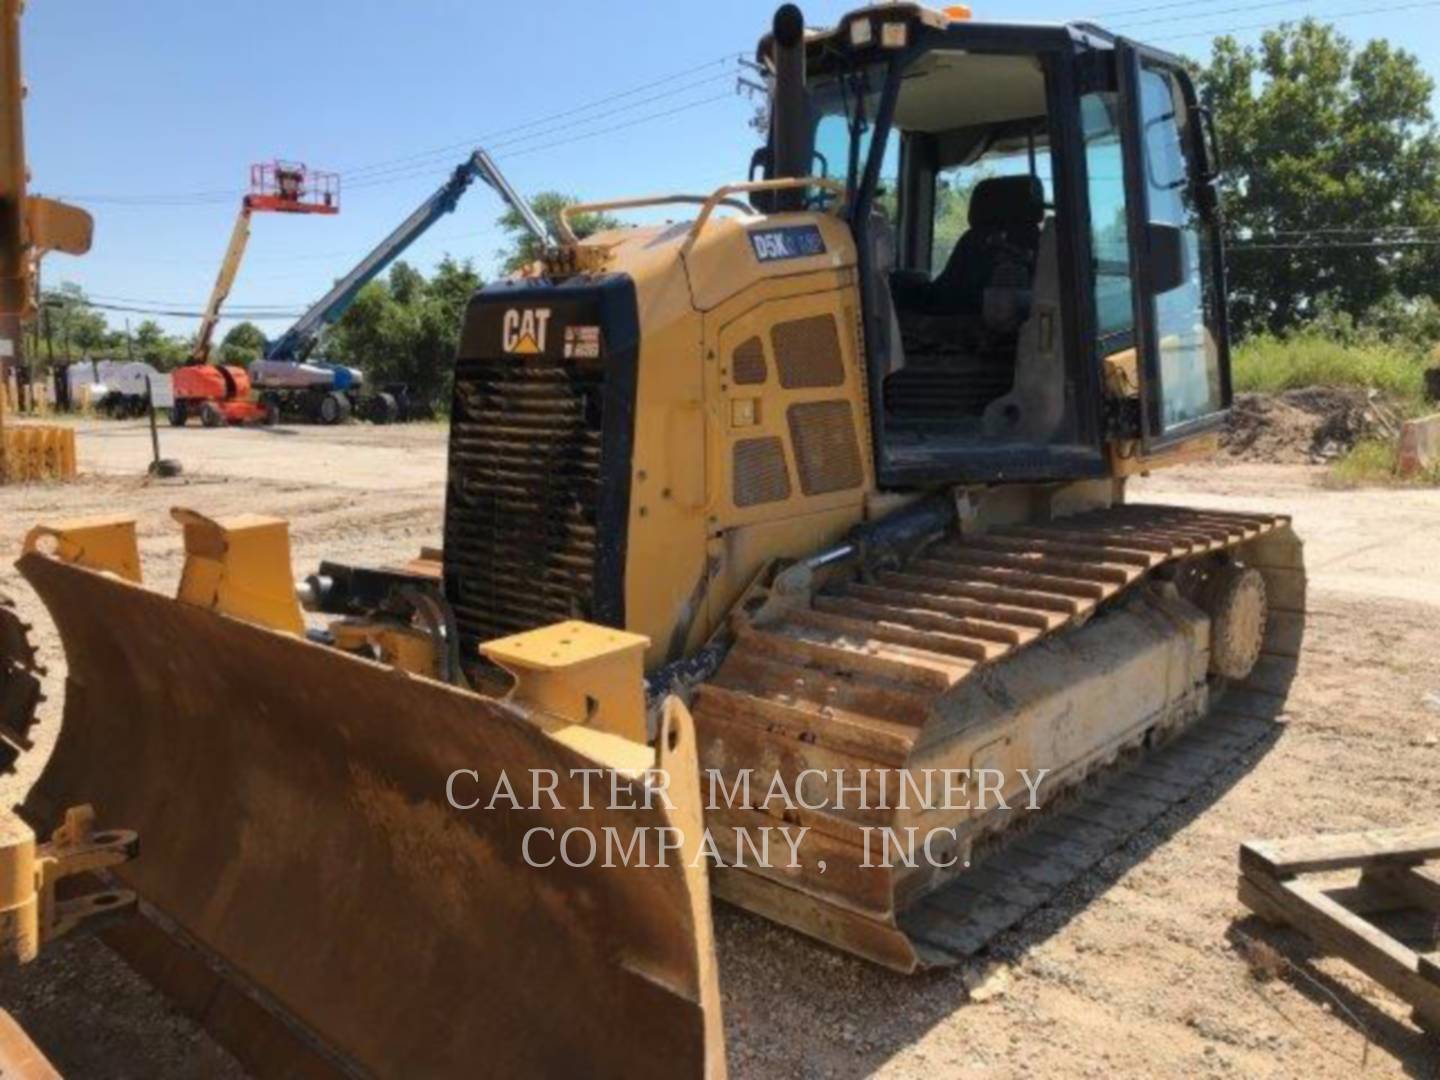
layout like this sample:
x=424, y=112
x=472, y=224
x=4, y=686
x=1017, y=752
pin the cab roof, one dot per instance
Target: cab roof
x=934, y=25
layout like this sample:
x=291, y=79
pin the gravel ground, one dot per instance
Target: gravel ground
x=1139, y=969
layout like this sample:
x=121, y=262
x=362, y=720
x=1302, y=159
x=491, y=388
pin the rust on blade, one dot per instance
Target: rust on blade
x=298, y=831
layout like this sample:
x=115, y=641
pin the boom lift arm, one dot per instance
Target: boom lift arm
x=279, y=186
x=297, y=342
x=229, y=268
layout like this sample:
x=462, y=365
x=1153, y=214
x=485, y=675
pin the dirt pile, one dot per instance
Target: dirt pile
x=1313, y=425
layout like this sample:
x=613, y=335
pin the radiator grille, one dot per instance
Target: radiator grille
x=807, y=353
x=760, y=474
x=748, y=362
x=520, y=519
x=827, y=455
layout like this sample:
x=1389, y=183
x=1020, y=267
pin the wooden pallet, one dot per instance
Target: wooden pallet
x=1339, y=919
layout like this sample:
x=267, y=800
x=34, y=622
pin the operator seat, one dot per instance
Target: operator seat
x=1000, y=244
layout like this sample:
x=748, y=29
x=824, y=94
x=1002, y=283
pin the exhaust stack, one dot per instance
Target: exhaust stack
x=789, y=106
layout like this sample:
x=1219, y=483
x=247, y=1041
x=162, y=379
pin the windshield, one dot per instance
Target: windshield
x=844, y=107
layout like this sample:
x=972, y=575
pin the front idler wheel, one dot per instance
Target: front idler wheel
x=1235, y=600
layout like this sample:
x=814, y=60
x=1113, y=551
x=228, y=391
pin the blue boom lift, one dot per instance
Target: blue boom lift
x=291, y=384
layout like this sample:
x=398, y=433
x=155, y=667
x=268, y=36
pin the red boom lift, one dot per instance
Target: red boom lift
x=220, y=393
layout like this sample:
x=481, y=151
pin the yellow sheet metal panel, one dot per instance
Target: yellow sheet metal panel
x=670, y=494
x=240, y=566
x=723, y=259
x=19, y=905
x=97, y=543
x=20, y=1058
x=57, y=226
x=588, y=674
x=405, y=647
x=711, y=311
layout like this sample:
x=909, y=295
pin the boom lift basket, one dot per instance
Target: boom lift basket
x=290, y=188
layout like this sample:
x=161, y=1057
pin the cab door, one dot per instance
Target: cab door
x=1175, y=250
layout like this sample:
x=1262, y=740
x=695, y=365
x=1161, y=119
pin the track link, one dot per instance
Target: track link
x=856, y=680
x=1023, y=874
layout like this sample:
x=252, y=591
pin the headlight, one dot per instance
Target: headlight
x=894, y=35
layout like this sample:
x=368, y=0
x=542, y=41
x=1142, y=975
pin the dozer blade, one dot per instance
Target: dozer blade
x=1077, y=654
x=335, y=913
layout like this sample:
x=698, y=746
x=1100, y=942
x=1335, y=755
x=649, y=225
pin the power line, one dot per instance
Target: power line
x=369, y=173
x=1122, y=12
x=483, y=140
x=580, y=136
x=1356, y=245
x=1356, y=230
x=1217, y=31
x=618, y=127
x=308, y=256
x=1240, y=10
x=235, y=308
x=394, y=175
x=178, y=314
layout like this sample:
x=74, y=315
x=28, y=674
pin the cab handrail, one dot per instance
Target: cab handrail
x=567, y=232
x=721, y=196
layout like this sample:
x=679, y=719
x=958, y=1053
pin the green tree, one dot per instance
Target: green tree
x=523, y=247
x=407, y=284
x=242, y=343
x=952, y=215
x=73, y=327
x=1331, y=173
x=406, y=328
x=154, y=346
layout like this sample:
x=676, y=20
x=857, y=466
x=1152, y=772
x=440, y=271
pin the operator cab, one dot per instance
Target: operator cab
x=1028, y=202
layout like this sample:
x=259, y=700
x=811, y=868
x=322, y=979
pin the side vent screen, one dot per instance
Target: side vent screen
x=807, y=352
x=747, y=365
x=827, y=456
x=760, y=475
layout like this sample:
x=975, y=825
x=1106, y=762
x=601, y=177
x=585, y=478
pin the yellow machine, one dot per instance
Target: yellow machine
x=839, y=468
x=29, y=227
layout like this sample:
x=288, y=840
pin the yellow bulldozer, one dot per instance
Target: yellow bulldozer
x=804, y=518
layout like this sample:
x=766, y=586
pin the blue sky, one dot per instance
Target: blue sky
x=150, y=115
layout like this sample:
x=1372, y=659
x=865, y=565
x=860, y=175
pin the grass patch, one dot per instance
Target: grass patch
x=1267, y=365
x=1368, y=464
x=1371, y=463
